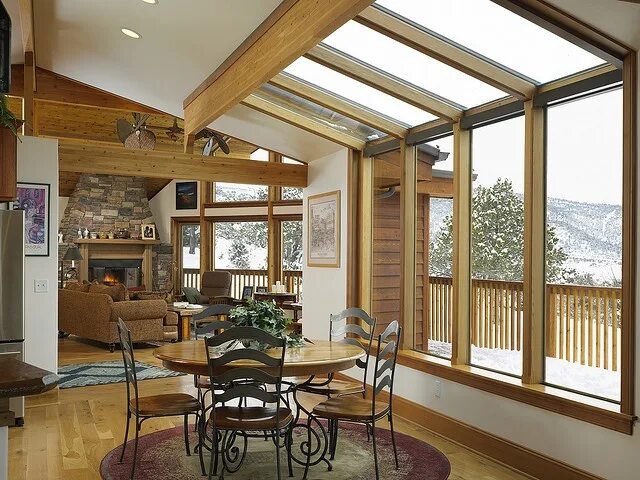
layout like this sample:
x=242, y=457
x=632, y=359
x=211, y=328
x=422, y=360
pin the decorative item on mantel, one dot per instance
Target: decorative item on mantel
x=122, y=233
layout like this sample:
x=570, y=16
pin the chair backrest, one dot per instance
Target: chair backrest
x=386, y=356
x=215, y=284
x=358, y=334
x=129, y=362
x=213, y=311
x=212, y=327
x=264, y=369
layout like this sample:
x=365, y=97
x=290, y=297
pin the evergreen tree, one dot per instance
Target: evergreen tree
x=239, y=254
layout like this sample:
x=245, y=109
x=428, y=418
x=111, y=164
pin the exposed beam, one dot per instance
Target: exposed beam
x=100, y=159
x=28, y=102
x=396, y=87
x=338, y=104
x=299, y=27
x=306, y=123
x=446, y=51
x=570, y=28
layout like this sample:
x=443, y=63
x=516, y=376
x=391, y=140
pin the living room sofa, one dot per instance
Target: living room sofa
x=87, y=312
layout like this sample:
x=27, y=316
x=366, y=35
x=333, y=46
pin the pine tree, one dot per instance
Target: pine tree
x=239, y=254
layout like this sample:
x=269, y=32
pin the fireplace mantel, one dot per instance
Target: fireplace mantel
x=117, y=248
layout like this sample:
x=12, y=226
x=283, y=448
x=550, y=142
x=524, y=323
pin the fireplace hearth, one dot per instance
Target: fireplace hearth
x=110, y=272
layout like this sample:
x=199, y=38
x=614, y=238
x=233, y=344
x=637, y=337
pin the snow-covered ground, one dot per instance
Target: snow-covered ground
x=257, y=256
x=591, y=380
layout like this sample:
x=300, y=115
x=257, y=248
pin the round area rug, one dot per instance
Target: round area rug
x=162, y=455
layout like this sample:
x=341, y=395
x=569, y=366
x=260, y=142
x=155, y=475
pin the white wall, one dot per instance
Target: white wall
x=324, y=289
x=38, y=162
x=163, y=207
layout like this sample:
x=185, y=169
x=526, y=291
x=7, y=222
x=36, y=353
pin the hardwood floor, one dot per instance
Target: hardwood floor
x=68, y=432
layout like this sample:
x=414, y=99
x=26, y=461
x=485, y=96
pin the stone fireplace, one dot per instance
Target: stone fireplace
x=107, y=203
x=110, y=272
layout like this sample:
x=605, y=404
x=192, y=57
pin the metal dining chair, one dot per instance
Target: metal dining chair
x=200, y=321
x=143, y=408
x=367, y=410
x=358, y=334
x=231, y=425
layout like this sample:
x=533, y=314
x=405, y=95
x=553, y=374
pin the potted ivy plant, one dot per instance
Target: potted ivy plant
x=267, y=316
x=9, y=125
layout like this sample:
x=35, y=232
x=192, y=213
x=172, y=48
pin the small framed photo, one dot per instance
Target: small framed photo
x=148, y=231
x=323, y=238
x=247, y=292
x=33, y=198
x=186, y=195
x=262, y=290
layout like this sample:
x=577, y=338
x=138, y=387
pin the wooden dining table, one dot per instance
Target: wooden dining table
x=315, y=358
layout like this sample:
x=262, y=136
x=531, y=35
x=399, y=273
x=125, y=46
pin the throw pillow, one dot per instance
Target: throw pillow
x=192, y=294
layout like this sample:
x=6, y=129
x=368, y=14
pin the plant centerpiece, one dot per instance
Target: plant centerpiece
x=267, y=316
x=9, y=125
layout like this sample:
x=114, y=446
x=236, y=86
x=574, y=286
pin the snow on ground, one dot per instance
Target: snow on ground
x=190, y=260
x=591, y=380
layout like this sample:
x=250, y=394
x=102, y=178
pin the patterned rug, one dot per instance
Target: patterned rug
x=101, y=373
x=162, y=455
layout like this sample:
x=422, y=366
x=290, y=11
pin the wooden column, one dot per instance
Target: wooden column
x=461, y=308
x=274, y=231
x=353, y=244
x=206, y=228
x=29, y=86
x=426, y=291
x=408, y=225
x=365, y=233
x=534, y=245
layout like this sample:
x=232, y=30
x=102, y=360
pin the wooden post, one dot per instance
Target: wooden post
x=29, y=85
x=353, y=244
x=274, y=231
x=461, y=308
x=365, y=231
x=426, y=290
x=206, y=229
x=534, y=245
x=408, y=224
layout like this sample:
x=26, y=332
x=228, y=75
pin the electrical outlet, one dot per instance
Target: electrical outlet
x=438, y=390
x=41, y=286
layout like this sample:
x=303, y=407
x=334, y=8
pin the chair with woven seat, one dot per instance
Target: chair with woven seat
x=367, y=410
x=227, y=422
x=359, y=334
x=143, y=408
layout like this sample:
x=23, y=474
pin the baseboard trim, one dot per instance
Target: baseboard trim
x=498, y=449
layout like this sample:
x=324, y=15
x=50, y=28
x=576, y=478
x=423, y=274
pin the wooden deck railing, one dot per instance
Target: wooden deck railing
x=582, y=322
x=241, y=278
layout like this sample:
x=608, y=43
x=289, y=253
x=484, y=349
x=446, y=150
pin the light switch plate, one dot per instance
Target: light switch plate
x=41, y=286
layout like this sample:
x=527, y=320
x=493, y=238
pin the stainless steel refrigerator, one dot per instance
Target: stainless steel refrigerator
x=12, y=292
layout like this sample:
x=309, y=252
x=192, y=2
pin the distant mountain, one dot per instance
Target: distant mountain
x=590, y=233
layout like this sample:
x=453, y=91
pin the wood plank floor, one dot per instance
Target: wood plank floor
x=68, y=432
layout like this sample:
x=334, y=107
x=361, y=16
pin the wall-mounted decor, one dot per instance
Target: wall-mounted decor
x=33, y=198
x=148, y=231
x=186, y=195
x=323, y=237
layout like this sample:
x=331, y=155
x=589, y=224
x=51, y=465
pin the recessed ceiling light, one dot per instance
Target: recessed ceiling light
x=151, y=2
x=130, y=33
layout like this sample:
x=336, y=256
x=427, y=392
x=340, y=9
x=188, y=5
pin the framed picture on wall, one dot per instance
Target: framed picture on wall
x=33, y=198
x=323, y=227
x=186, y=195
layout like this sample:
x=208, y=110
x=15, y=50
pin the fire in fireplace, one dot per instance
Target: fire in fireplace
x=110, y=272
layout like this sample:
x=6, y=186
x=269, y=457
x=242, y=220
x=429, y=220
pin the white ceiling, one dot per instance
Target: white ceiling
x=182, y=42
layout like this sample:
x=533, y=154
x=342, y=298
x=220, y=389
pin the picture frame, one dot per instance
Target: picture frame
x=262, y=290
x=323, y=230
x=186, y=195
x=148, y=231
x=247, y=292
x=34, y=199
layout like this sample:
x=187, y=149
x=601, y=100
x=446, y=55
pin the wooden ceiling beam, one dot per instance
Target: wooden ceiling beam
x=369, y=75
x=446, y=51
x=100, y=159
x=338, y=104
x=302, y=121
x=297, y=26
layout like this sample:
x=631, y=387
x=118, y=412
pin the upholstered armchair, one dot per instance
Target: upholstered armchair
x=215, y=287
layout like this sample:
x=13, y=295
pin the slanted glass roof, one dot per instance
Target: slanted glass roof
x=358, y=92
x=317, y=113
x=410, y=65
x=498, y=34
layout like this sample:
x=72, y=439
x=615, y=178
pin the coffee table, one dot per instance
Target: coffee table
x=184, y=320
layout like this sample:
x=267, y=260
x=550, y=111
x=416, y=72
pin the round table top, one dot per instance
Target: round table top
x=318, y=358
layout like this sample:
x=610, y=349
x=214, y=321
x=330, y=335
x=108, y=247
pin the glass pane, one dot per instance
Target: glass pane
x=497, y=242
x=292, y=245
x=238, y=192
x=436, y=198
x=291, y=193
x=191, y=255
x=518, y=43
x=584, y=244
x=260, y=154
x=241, y=245
x=318, y=113
x=408, y=64
x=358, y=92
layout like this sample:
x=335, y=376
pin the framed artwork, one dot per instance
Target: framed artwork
x=33, y=198
x=148, y=231
x=323, y=227
x=186, y=195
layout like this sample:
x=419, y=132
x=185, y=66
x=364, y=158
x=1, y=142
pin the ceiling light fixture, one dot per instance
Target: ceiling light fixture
x=151, y=2
x=130, y=33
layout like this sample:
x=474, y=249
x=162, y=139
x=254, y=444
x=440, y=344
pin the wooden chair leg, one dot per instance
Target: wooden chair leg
x=186, y=435
x=375, y=453
x=393, y=440
x=135, y=449
x=126, y=436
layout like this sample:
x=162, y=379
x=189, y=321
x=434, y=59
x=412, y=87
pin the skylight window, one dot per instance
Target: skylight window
x=358, y=92
x=498, y=34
